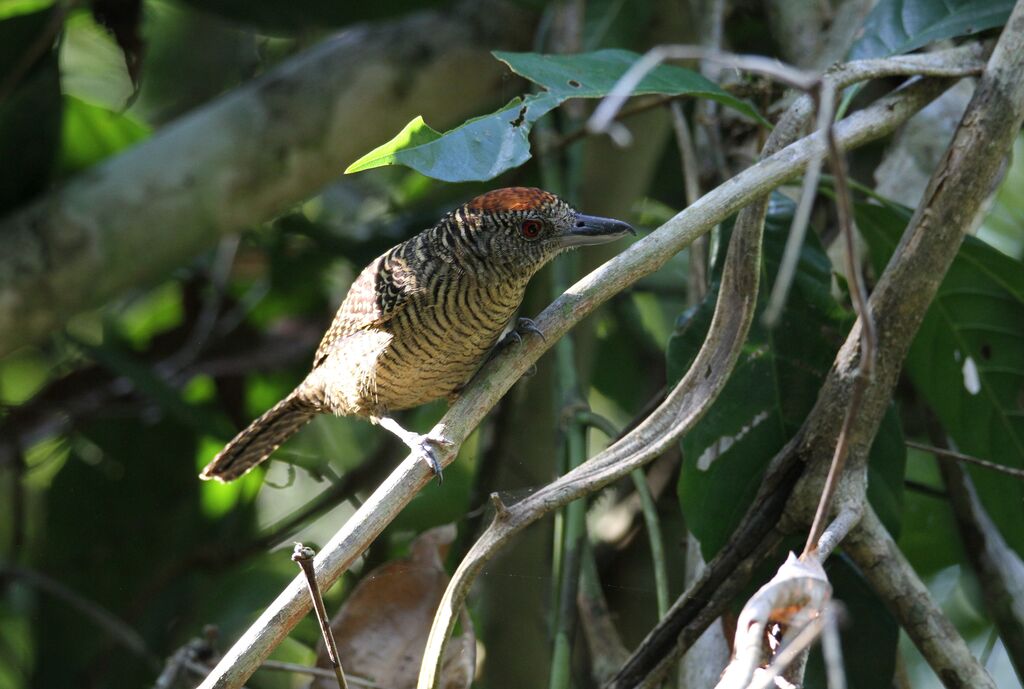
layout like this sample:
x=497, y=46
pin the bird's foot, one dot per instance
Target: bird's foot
x=524, y=326
x=428, y=446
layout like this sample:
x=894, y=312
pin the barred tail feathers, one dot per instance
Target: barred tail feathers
x=257, y=442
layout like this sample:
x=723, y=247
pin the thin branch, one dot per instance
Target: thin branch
x=641, y=258
x=697, y=277
x=296, y=668
x=303, y=557
x=945, y=453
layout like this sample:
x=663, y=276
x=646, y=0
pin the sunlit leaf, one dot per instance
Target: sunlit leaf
x=967, y=359
x=899, y=26
x=478, y=150
x=91, y=133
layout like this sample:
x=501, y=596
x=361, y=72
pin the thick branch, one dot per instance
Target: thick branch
x=242, y=159
x=639, y=260
x=894, y=579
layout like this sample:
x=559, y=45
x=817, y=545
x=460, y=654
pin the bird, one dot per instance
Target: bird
x=421, y=319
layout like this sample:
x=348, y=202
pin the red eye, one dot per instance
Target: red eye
x=531, y=228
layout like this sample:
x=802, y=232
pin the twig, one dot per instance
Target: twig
x=697, y=277
x=868, y=334
x=641, y=258
x=944, y=453
x=303, y=557
x=282, y=666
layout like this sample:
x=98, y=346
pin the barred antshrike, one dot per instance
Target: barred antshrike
x=420, y=320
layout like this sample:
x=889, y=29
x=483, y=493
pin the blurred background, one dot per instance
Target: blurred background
x=113, y=554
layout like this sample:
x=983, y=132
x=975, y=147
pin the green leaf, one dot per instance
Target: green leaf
x=416, y=133
x=484, y=147
x=899, y=26
x=91, y=133
x=478, y=150
x=773, y=387
x=967, y=359
x=594, y=75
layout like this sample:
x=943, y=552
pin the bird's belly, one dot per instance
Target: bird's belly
x=418, y=368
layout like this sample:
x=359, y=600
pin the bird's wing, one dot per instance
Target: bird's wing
x=380, y=291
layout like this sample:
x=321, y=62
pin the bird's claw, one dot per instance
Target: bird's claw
x=523, y=326
x=430, y=448
x=528, y=325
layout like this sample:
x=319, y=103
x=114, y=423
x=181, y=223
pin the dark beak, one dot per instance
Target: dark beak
x=590, y=229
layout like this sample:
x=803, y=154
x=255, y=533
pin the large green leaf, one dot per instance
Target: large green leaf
x=899, y=26
x=594, y=75
x=773, y=387
x=483, y=148
x=967, y=359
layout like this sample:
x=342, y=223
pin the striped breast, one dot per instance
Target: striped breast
x=416, y=325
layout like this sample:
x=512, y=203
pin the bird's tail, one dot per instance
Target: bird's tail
x=260, y=439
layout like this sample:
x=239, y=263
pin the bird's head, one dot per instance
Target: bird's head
x=528, y=227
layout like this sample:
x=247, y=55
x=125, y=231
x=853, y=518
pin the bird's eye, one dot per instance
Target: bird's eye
x=531, y=229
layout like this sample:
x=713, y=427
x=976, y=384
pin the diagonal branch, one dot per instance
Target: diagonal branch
x=581, y=299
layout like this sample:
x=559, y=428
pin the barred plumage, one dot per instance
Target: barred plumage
x=419, y=321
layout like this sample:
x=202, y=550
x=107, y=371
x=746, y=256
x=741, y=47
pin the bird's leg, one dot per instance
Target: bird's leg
x=427, y=446
x=523, y=326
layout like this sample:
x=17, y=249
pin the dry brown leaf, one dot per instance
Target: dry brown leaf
x=382, y=627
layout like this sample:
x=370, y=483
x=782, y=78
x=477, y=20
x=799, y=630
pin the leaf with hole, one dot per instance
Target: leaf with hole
x=484, y=147
x=967, y=359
